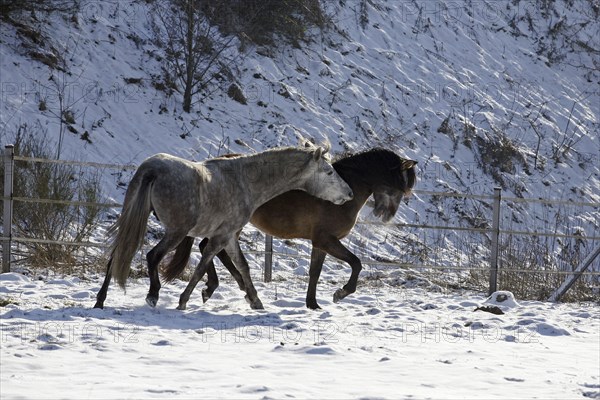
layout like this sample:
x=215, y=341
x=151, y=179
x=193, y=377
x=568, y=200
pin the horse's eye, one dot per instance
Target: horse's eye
x=330, y=173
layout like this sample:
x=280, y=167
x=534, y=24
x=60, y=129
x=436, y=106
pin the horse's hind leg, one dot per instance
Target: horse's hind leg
x=233, y=249
x=154, y=257
x=317, y=257
x=101, y=296
x=334, y=247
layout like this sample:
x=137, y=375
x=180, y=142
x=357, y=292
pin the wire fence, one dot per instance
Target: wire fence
x=495, y=243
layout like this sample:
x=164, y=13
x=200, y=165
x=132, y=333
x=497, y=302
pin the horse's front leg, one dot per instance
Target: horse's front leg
x=212, y=247
x=213, y=279
x=212, y=282
x=234, y=250
x=317, y=257
x=228, y=263
x=198, y=274
x=334, y=247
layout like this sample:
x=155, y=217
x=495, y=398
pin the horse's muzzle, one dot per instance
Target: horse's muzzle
x=349, y=196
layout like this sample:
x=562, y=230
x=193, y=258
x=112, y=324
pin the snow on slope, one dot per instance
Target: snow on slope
x=389, y=75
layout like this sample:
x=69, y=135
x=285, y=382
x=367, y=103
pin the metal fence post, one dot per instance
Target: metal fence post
x=9, y=165
x=495, y=241
x=560, y=292
x=268, y=258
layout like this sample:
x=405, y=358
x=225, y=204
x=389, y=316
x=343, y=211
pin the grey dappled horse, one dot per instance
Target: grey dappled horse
x=215, y=199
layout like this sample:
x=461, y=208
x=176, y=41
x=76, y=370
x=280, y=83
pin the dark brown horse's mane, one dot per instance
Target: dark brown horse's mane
x=378, y=166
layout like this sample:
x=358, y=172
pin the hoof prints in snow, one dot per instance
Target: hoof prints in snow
x=288, y=350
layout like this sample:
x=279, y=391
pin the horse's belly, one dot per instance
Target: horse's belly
x=210, y=224
x=282, y=228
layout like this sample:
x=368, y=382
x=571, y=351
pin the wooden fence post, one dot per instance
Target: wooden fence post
x=495, y=241
x=9, y=165
x=268, y=258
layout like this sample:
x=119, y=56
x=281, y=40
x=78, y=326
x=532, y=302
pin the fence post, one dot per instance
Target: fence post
x=558, y=293
x=9, y=164
x=268, y=258
x=495, y=241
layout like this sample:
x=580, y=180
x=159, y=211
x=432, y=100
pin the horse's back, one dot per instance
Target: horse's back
x=197, y=197
x=166, y=163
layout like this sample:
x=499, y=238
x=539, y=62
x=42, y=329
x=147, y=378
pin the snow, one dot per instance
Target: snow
x=382, y=342
x=392, y=82
x=502, y=298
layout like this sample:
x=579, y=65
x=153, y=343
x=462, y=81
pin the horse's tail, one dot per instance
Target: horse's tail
x=179, y=261
x=128, y=232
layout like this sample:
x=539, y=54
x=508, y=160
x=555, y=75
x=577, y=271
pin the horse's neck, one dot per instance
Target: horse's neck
x=359, y=187
x=270, y=174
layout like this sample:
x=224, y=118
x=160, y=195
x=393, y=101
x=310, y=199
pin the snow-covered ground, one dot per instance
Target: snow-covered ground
x=382, y=342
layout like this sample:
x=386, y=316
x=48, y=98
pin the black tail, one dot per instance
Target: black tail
x=179, y=261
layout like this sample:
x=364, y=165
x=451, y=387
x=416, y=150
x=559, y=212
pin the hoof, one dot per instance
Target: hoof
x=339, y=295
x=181, y=307
x=151, y=301
x=256, y=304
x=99, y=305
x=313, y=306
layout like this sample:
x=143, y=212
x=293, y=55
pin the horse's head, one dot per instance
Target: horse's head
x=387, y=195
x=323, y=181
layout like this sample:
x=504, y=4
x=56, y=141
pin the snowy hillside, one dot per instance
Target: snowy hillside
x=482, y=94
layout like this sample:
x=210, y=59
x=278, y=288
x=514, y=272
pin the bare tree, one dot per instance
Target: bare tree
x=195, y=51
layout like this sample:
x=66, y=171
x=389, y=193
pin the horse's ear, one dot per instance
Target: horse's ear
x=306, y=143
x=407, y=164
x=318, y=153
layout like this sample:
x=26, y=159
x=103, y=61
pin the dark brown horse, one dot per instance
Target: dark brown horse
x=295, y=214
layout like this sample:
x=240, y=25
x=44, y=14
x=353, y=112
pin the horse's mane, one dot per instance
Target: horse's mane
x=230, y=156
x=305, y=145
x=378, y=165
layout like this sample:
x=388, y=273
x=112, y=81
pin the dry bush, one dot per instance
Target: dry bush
x=55, y=221
x=532, y=268
x=13, y=7
x=264, y=21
